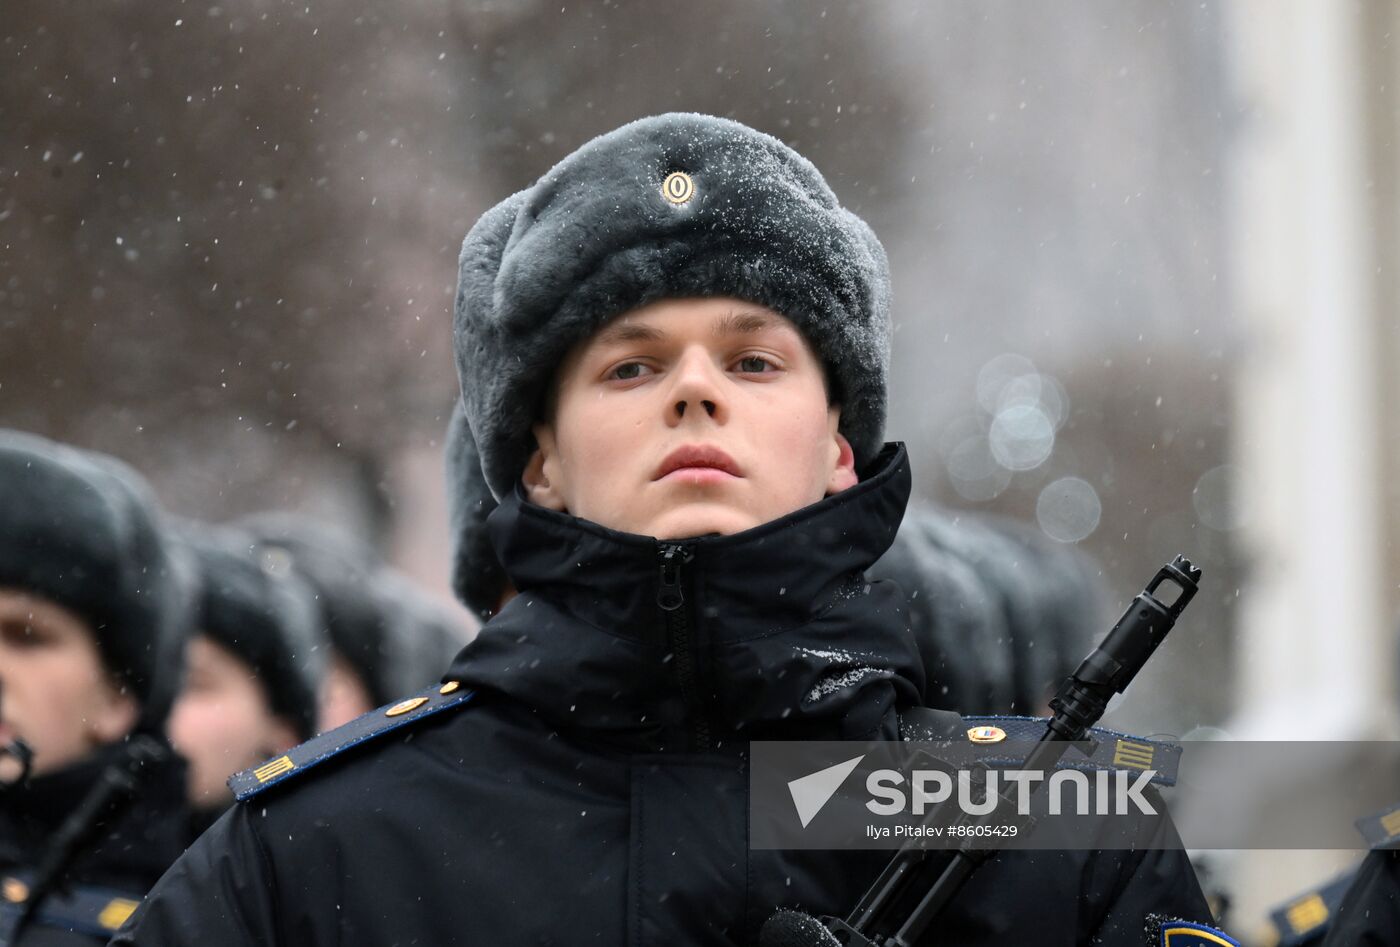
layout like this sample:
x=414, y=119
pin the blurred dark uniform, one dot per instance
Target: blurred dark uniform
x=390, y=633
x=80, y=530
x=108, y=878
x=1369, y=913
x=581, y=776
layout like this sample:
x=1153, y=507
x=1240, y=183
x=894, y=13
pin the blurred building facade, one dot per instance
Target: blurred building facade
x=1313, y=222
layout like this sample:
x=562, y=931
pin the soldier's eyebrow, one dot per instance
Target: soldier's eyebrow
x=734, y=323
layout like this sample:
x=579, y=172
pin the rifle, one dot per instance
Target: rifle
x=115, y=789
x=882, y=918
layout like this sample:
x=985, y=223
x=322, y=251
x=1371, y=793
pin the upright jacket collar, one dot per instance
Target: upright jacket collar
x=772, y=632
x=138, y=845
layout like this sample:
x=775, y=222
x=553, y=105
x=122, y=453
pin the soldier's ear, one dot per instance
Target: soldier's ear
x=542, y=478
x=843, y=472
x=114, y=715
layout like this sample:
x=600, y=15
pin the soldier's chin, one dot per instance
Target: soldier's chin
x=694, y=520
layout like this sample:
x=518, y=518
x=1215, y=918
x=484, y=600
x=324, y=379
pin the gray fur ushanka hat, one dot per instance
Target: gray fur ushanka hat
x=672, y=206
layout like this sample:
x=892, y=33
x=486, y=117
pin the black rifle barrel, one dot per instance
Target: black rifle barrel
x=1077, y=706
x=113, y=791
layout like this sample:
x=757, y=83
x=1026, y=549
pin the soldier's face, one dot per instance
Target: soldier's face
x=722, y=375
x=222, y=721
x=55, y=694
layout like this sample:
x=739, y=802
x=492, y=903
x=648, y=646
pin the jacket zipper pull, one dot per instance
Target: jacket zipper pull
x=670, y=596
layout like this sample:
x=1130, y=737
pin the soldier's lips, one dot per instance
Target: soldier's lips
x=698, y=475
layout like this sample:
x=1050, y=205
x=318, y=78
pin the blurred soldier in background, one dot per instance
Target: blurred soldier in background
x=1369, y=913
x=254, y=665
x=1047, y=594
x=388, y=638
x=1359, y=907
x=957, y=619
x=93, y=606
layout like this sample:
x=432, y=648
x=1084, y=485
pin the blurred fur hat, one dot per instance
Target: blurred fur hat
x=82, y=529
x=391, y=633
x=671, y=206
x=254, y=605
x=958, y=622
x=1048, y=595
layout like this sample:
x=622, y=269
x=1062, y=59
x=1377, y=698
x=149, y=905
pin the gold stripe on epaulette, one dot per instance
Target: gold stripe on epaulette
x=1307, y=914
x=1391, y=822
x=283, y=764
x=116, y=912
x=1135, y=755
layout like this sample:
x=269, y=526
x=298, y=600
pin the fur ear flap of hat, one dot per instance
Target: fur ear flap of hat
x=83, y=530
x=477, y=576
x=253, y=604
x=673, y=206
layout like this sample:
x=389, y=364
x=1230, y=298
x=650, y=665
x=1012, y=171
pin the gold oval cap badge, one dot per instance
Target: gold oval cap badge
x=986, y=734
x=678, y=188
x=404, y=706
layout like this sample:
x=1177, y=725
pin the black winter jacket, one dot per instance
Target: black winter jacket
x=108, y=875
x=595, y=790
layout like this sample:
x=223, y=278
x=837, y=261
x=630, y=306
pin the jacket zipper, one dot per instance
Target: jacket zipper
x=670, y=597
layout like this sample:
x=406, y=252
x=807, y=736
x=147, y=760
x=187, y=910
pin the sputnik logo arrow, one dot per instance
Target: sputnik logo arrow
x=813, y=791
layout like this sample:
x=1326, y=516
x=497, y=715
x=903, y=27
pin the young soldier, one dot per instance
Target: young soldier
x=92, y=610
x=254, y=665
x=672, y=351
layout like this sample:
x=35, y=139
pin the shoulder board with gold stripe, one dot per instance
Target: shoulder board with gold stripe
x=84, y=909
x=1381, y=829
x=374, y=724
x=1110, y=749
x=1305, y=918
